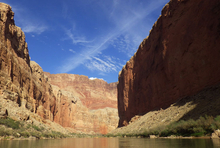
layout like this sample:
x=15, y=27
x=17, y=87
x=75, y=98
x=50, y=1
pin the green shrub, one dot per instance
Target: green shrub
x=202, y=126
x=36, y=127
x=217, y=125
x=54, y=134
x=28, y=126
x=217, y=118
x=166, y=133
x=198, y=134
x=10, y=123
x=5, y=132
x=25, y=134
x=58, y=135
x=36, y=134
x=198, y=130
x=42, y=128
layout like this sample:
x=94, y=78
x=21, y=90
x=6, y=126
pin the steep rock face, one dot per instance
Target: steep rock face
x=179, y=58
x=78, y=103
x=84, y=104
x=21, y=80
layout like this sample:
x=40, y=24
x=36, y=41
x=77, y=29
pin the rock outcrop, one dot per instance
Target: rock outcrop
x=21, y=80
x=84, y=104
x=179, y=58
x=73, y=101
x=216, y=134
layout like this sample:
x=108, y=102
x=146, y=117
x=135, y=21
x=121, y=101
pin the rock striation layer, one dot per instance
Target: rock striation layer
x=73, y=101
x=179, y=58
x=84, y=104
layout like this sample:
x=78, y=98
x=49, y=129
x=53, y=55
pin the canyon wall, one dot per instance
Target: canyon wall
x=21, y=80
x=73, y=101
x=179, y=58
x=84, y=104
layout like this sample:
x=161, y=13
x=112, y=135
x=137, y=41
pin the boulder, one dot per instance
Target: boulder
x=216, y=134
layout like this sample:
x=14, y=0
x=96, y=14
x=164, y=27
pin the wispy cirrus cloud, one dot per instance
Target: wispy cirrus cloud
x=127, y=43
x=28, y=27
x=129, y=28
x=76, y=39
x=72, y=51
x=105, y=65
x=26, y=21
x=85, y=55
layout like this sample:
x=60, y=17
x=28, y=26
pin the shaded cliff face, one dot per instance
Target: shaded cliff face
x=21, y=81
x=202, y=104
x=83, y=104
x=179, y=58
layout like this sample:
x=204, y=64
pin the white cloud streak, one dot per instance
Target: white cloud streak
x=27, y=22
x=94, y=78
x=72, y=51
x=75, y=39
x=33, y=28
x=125, y=37
x=108, y=64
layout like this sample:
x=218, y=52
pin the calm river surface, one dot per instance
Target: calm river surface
x=112, y=143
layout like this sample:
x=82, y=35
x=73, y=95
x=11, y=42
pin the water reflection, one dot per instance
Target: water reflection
x=63, y=143
x=112, y=143
x=167, y=143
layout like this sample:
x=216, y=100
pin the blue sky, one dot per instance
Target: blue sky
x=86, y=37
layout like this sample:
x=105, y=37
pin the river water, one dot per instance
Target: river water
x=112, y=143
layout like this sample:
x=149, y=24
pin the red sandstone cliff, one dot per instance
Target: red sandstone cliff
x=94, y=94
x=19, y=78
x=84, y=104
x=72, y=101
x=179, y=58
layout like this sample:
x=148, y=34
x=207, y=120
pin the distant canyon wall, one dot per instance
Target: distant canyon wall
x=87, y=105
x=73, y=101
x=179, y=58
